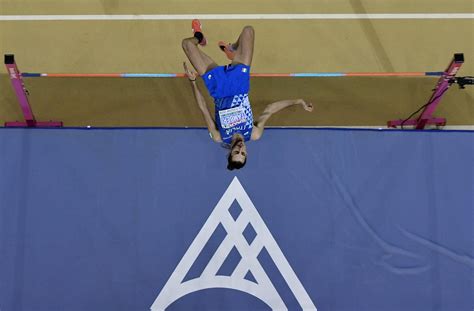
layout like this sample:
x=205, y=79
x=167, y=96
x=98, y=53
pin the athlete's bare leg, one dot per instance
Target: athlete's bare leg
x=200, y=60
x=244, y=46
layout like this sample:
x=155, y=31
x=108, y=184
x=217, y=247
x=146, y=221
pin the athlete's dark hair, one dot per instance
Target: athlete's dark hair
x=234, y=165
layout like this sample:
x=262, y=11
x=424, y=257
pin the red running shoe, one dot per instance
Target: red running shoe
x=196, y=26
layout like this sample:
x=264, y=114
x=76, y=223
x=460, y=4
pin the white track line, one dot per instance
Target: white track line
x=236, y=17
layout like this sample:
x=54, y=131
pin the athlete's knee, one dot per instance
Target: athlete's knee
x=248, y=30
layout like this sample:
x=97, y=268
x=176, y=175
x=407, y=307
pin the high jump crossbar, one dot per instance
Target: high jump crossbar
x=265, y=75
x=21, y=92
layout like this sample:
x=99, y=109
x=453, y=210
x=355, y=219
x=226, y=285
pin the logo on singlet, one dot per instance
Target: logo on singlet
x=262, y=287
x=233, y=116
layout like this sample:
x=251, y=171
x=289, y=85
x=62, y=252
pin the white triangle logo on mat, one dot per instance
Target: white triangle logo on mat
x=263, y=287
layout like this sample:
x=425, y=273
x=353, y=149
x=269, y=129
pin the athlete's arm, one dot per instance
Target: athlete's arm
x=274, y=108
x=210, y=122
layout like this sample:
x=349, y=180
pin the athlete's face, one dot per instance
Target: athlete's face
x=239, y=152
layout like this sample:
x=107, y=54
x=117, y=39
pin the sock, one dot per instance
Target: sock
x=198, y=35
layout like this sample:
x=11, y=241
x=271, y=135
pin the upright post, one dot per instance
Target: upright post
x=442, y=86
x=22, y=96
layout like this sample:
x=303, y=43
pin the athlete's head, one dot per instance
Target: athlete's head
x=238, y=154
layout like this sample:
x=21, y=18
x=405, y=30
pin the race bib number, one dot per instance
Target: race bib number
x=233, y=116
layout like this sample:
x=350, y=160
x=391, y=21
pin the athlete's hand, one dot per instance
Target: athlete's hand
x=189, y=73
x=306, y=106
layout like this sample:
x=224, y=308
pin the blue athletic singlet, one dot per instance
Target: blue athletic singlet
x=229, y=86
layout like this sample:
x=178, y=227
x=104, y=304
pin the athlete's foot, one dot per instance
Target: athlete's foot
x=197, y=27
x=227, y=49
